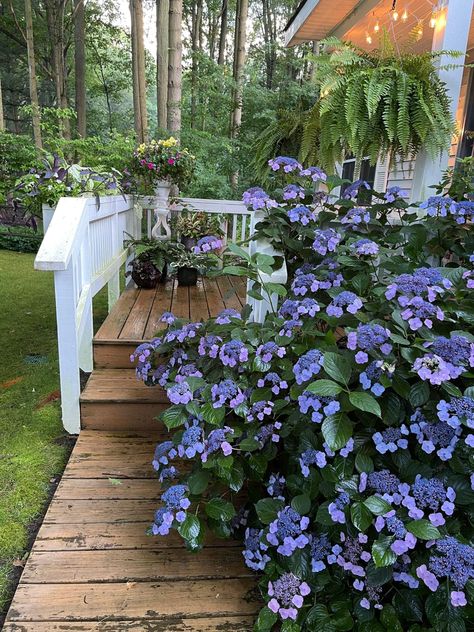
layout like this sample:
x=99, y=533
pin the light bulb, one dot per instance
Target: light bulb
x=377, y=27
x=368, y=38
x=404, y=17
x=419, y=30
x=434, y=16
x=395, y=15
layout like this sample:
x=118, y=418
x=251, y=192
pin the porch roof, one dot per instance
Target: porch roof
x=352, y=20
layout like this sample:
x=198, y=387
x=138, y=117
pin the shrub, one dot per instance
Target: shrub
x=19, y=238
x=335, y=438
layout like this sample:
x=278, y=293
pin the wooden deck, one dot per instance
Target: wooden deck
x=93, y=566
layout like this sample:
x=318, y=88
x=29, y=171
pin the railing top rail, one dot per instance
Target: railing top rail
x=233, y=207
x=69, y=220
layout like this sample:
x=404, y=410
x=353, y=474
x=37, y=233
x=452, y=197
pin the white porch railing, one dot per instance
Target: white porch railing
x=83, y=246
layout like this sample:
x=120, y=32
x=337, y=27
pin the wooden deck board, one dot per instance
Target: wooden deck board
x=94, y=567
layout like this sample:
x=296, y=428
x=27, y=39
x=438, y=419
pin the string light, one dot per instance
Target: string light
x=377, y=27
x=404, y=17
x=368, y=38
x=395, y=15
x=434, y=18
x=419, y=30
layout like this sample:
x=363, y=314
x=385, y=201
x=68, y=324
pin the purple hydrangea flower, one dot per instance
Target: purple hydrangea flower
x=321, y=548
x=142, y=355
x=353, y=556
x=463, y=211
x=311, y=457
x=217, y=441
x=186, y=332
x=356, y=216
x=286, y=532
x=391, y=439
x=257, y=198
x=315, y=173
x=369, y=378
x=168, y=318
x=180, y=393
x=163, y=522
x=269, y=432
x=287, y=595
x=167, y=473
x=301, y=214
x=293, y=191
x=352, y=190
x=226, y=392
x=254, y=552
x=424, y=282
x=164, y=453
x=226, y=315
x=429, y=494
x=270, y=350
x=233, y=352
x=394, y=193
x=384, y=483
x=454, y=561
x=304, y=283
x=308, y=365
x=259, y=411
x=457, y=350
x=276, y=486
x=439, y=205
x=326, y=241
x=370, y=337
x=336, y=508
x=365, y=248
x=434, y=369
x=289, y=328
x=209, y=346
x=207, y=244
x=192, y=440
x=457, y=411
x=176, y=500
x=428, y=578
x=347, y=300
x=286, y=163
x=439, y=436
x=404, y=539
x=419, y=312
x=308, y=401
x=185, y=371
x=274, y=380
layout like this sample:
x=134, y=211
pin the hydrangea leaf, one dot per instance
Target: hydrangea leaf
x=213, y=416
x=365, y=402
x=378, y=506
x=301, y=504
x=337, y=367
x=364, y=463
x=382, y=554
x=361, y=516
x=266, y=620
x=249, y=445
x=408, y=605
x=174, y=416
x=190, y=528
x=419, y=394
x=423, y=529
x=198, y=482
x=337, y=430
x=220, y=509
x=267, y=509
x=326, y=388
x=389, y=618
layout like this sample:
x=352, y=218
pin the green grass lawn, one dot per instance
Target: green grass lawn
x=32, y=446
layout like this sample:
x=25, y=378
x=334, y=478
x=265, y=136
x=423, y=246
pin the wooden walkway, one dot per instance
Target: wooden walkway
x=93, y=566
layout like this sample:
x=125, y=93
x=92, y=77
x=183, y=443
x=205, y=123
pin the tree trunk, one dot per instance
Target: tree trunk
x=138, y=69
x=239, y=62
x=270, y=36
x=213, y=19
x=195, y=48
x=223, y=34
x=2, y=119
x=312, y=64
x=55, y=22
x=175, y=67
x=80, y=66
x=162, y=44
x=35, y=111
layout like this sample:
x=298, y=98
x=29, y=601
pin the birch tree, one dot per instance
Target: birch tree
x=238, y=73
x=223, y=34
x=35, y=111
x=138, y=69
x=162, y=45
x=175, y=66
x=2, y=119
x=80, y=66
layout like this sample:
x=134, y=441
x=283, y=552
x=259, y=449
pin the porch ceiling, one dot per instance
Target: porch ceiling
x=352, y=20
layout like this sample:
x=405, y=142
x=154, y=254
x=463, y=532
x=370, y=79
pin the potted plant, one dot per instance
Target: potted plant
x=190, y=263
x=190, y=227
x=150, y=265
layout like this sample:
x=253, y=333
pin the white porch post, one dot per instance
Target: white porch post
x=449, y=34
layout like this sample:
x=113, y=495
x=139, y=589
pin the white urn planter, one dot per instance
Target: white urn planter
x=161, y=229
x=47, y=214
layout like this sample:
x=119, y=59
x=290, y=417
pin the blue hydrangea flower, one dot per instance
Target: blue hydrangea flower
x=419, y=312
x=369, y=378
x=308, y=365
x=304, y=283
x=439, y=205
x=337, y=506
x=439, y=436
x=168, y=318
x=431, y=494
x=365, y=248
x=180, y=393
x=394, y=193
x=463, y=211
x=176, y=500
x=259, y=411
x=207, y=244
x=301, y=214
x=217, y=440
x=315, y=173
x=454, y=561
x=353, y=556
x=287, y=595
x=292, y=310
x=344, y=451
x=321, y=548
x=348, y=300
x=356, y=216
x=308, y=401
x=457, y=350
x=142, y=355
x=258, y=199
x=386, y=484
x=293, y=191
x=192, y=440
x=286, y=532
x=352, y=190
x=435, y=370
x=311, y=457
x=209, y=346
x=186, y=332
x=226, y=315
x=274, y=380
x=289, y=327
x=286, y=163
x=269, y=432
x=391, y=439
x=226, y=392
x=404, y=540
x=326, y=240
x=163, y=522
x=233, y=352
x=276, y=486
x=369, y=337
x=164, y=453
x=424, y=282
x=185, y=371
x=254, y=552
x=270, y=350
x=457, y=411
x=167, y=473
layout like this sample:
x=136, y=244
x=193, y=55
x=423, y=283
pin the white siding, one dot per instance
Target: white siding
x=401, y=174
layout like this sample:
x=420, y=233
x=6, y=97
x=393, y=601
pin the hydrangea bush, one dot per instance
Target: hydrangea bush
x=335, y=439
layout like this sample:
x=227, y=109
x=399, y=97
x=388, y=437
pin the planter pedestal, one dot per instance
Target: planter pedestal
x=161, y=229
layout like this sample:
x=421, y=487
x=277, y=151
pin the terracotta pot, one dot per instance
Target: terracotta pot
x=187, y=276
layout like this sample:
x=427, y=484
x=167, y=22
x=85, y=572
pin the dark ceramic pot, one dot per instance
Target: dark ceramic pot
x=187, y=276
x=145, y=274
x=188, y=242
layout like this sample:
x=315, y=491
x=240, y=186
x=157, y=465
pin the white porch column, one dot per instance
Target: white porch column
x=450, y=33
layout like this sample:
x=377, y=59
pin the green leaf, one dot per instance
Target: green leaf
x=423, y=529
x=389, y=618
x=267, y=509
x=173, y=417
x=360, y=516
x=326, y=388
x=382, y=554
x=266, y=620
x=249, y=445
x=377, y=505
x=198, y=482
x=364, y=401
x=190, y=528
x=337, y=430
x=213, y=416
x=235, y=271
x=240, y=252
x=409, y=605
x=337, y=367
x=220, y=509
x=364, y=463
x=419, y=394
x=301, y=504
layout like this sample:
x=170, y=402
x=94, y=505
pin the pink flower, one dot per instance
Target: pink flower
x=171, y=161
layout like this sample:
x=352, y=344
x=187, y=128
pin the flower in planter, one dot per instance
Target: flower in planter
x=207, y=244
x=287, y=595
x=161, y=160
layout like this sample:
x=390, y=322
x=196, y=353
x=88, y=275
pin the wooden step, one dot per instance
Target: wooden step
x=114, y=399
x=113, y=354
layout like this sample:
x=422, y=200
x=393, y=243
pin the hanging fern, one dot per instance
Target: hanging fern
x=379, y=101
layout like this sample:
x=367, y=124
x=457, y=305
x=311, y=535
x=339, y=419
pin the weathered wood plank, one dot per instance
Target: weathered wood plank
x=113, y=354
x=161, y=303
x=98, y=536
x=240, y=286
x=216, y=624
x=133, y=600
x=120, y=415
x=121, y=385
x=213, y=296
x=108, y=489
x=88, y=511
x=198, y=303
x=229, y=294
x=180, y=302
x=66, y=567
x=135, y=324
x=99, y=466
x=113, y=324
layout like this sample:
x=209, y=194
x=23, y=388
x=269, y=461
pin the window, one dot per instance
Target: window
x=366, y=172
